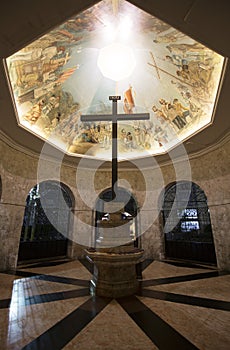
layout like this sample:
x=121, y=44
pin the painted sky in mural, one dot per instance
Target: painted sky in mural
x=62, y=75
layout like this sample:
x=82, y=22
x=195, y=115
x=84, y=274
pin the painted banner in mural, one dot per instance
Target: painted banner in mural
x=114, y=50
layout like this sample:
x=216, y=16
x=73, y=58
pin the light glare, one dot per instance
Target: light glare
x=116, y=61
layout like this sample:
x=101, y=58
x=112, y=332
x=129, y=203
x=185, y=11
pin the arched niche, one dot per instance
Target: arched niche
x=47, y=223
x=125, y=203
x=186, y=223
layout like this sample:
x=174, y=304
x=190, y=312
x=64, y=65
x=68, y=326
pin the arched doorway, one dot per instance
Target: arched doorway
x=46, y=222
x=125, y=200
x=187, y=225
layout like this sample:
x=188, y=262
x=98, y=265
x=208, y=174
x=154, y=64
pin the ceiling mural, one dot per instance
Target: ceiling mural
x=114, y=48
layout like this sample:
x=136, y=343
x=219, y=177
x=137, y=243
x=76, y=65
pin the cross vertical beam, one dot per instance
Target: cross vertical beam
x=114, y=149
x=114, y=118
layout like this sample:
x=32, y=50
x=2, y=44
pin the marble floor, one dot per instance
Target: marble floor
x=47, y=306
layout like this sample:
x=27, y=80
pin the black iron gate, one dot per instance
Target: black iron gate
x=187, y=226
x=46, y=222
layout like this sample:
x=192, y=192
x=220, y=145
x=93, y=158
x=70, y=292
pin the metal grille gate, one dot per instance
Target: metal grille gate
x=187, y=225
x=46, y=222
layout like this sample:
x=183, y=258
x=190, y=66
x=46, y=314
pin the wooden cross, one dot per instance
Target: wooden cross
x=114, y=117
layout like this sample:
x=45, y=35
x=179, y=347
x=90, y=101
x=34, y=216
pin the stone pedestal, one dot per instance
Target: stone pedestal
x=114, y=272
x=114, y=258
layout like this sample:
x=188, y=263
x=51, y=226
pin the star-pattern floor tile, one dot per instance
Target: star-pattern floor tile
x=181, y=306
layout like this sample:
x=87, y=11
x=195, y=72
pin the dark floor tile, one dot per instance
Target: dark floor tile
x=49, y=297
x=183, y=278
x=186, y=299
x=87, y=264
x=161, y=334
x=192, y=265
x=49, y=278
x=64, y=331
x=43, y=264
x=20, y=273
x=144, y=264
x=64, y=280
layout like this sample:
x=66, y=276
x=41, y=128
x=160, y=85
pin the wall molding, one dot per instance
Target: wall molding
x=27, y=152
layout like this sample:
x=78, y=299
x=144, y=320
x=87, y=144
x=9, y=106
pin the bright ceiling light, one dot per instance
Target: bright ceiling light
x=116, y=61
x=125, y=28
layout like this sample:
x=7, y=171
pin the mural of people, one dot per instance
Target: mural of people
x=56, y=77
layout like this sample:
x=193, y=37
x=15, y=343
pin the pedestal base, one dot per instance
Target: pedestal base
x=114, y=273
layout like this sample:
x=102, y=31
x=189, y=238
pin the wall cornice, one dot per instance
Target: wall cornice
x=185, y=157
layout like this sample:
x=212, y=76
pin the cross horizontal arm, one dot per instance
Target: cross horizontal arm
x=114, y=118
x=134, y=116
x=96, y=117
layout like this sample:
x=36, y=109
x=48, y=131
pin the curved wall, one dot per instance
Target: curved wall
x=211, y=171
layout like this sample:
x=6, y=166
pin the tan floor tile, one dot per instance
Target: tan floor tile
x=73, y=269
x=111, y=329
x=208, y=329
x=212, y=288
x=162, y=270
x=27, y=323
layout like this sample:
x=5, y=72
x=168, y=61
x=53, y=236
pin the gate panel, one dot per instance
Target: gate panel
x=187, y=225
x=46, y=222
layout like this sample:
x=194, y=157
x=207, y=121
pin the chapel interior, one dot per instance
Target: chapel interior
x=114, y=184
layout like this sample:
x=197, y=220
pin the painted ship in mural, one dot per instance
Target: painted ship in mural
x=58, y=77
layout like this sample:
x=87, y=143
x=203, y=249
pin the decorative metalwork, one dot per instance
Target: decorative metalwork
x=191, y=220
x=186, y=212
x=45, y=205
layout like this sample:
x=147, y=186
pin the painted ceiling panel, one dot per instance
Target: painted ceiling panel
x=114, y=48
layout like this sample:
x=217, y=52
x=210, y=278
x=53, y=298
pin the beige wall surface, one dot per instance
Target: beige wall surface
x=20, y=171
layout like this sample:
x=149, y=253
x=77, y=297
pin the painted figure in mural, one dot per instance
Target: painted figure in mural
x=106, y=132
x=147, y=137
x=128, y=101
x=85, y=134
x=138, y=136
x=169, y=37
x=128, y=141
x=196, y=74
x=176, y=60
x=52, y=103
x=168, y=113
x=36, y=66
x=55, y=63
x=35, y=54
x=193, y=49
x=35, y=113
x=122, y=135
x=174, y=113
x=160, y=135
x=55, y=121
x=94, y=134
x=181, y=113
x=164, y=108
x=173, y=117
x=162, y=118
x=185, y=73
x=192, y=102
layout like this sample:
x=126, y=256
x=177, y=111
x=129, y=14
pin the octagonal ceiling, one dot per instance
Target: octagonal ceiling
x=114, y=48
